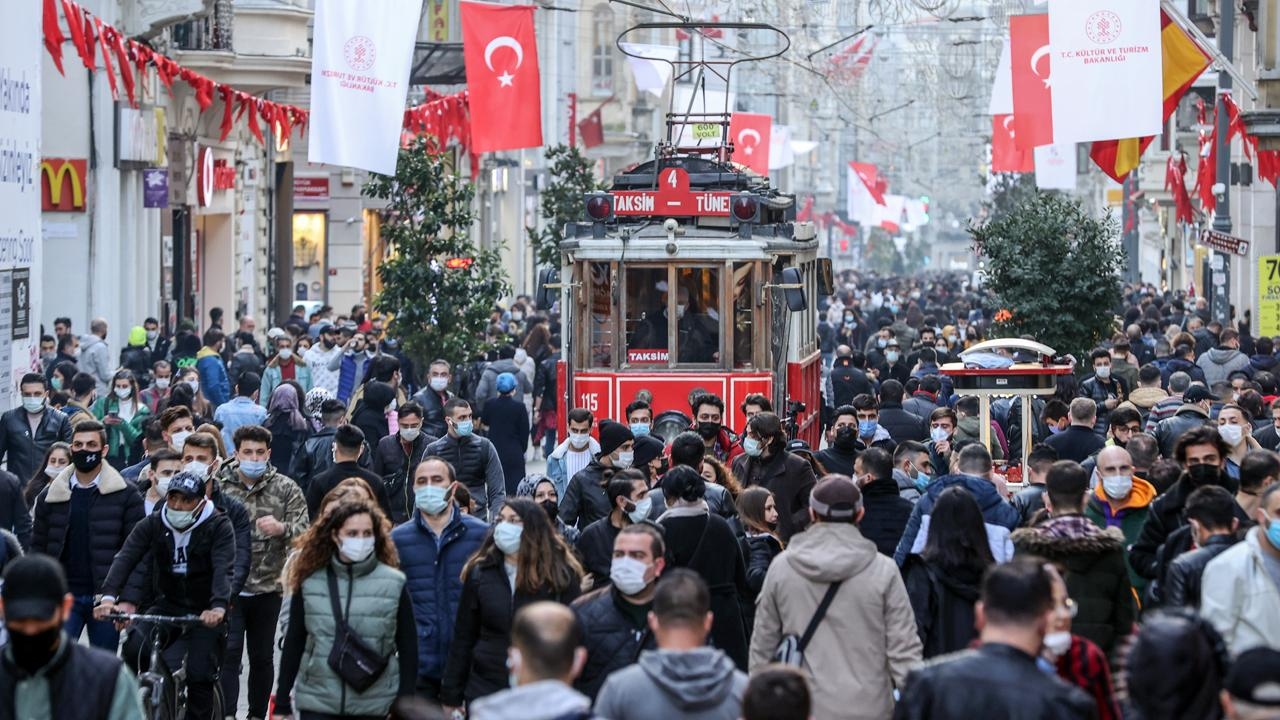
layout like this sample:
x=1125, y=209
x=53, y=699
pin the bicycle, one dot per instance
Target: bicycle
x=164, y=693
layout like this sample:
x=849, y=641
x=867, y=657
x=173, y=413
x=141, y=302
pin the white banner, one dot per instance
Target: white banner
x=1002, y=89
x=859, y=203
x=359, y=80
x=1056, y=167
x=781, y=154
x=21, y=242
x=653, y=68
x=1107, y=76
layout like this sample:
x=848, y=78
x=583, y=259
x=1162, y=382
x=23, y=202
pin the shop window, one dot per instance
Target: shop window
x=310, y=241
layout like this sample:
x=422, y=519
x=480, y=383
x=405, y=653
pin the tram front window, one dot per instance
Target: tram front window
x=649, y=322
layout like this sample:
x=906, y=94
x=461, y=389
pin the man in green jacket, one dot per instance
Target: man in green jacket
x=42, y=668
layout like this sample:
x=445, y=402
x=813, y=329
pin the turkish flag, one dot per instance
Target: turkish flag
x=870, y=177
x=1006, y=156
x=1029, y=60
x=591, y=128
x=501, y=54
x=750, y=134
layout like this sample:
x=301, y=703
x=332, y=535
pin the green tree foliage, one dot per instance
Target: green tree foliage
x=436, y=311
x=1055, y=268
x=1008, y=192
x=571, y=178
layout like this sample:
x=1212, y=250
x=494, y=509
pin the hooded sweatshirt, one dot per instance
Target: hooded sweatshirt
x=700, y=684
x=182, y=538
x=542, y=700
x=1220, y=362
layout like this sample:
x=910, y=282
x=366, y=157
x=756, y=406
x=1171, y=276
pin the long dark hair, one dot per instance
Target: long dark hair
x=957, y=536
x=544, y=560
x=39, y=480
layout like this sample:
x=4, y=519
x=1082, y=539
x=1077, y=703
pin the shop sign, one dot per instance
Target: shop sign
x=62, y=184
x=204, y=176
x=140, y=136
x=155, y=188
x=311, y=188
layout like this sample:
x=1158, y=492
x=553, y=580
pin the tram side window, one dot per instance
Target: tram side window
x=743, y=322
x=600, y=316
x=697, y=322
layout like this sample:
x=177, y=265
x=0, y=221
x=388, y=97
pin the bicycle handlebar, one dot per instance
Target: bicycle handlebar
x=158, y=619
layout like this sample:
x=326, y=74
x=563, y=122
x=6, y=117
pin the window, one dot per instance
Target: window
x=603, y=37
x=743, y=315
x=599, y=315
x=650, y=306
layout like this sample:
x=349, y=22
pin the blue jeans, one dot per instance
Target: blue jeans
x=101, y=634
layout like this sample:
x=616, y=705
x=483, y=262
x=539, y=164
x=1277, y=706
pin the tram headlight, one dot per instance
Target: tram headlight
x=746, y=208
x=599, y=207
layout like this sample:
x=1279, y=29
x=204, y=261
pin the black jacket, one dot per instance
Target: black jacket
x=117, y=507
x=544, y=382
x=789, y=477
x=611, y=640
x=758, y=551
x=1187, y=418
x=477, y=664
x=960, y=688
x=1077, y=443
x=585, y=501
x=901, y=424
x=886, y=514
x=433, y=423
x=848, y=382
x=1028, y=502
x=595, y=546
x=324, y=482
x=24, y=453
x=1182, y=581
x=507, y=423
x=1164, y=517
x=837, y=460
x=210, y=556
x=942, y=601
x=316, y=455
x=14, y=515
x=370, y=414
x=396, y=468
x=707, y=545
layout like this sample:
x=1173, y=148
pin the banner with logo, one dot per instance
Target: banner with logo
x=359, y=80
x=1056, y=167
x=20, y=197
x=1107, y=72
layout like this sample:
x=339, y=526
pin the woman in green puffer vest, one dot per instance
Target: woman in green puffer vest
x=351, y=542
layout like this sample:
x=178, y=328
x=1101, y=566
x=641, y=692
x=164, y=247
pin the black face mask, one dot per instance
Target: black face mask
x=846, y=438
x=32, y=652
x=552, y=509
x=86, y=461
x=709, y=430
x=1203, y=475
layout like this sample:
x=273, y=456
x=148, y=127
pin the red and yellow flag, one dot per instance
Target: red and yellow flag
x=1183, y=61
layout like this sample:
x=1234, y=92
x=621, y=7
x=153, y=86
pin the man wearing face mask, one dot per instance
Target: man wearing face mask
x=708, y=421
x=433, y=397
x=1241, y=587
x=200, y=457
x=545, y=657
x=26, y=432
x=349, y=447
x=585, y=500
x=397, y=455
x=1092, y=559
x=191, y=550
x=322, y=353
x=628, y=493
x=1120, y=499
x=83, y=518
x=1213, y=527
x=842, y=442
x=474, y=458
x=911, y=469
x=697, y=335
x=349, y=365
x=279, y=513
x=1202, y=454
x=769, y=464
x=1014, y=613
x=46, y=674
x=614, y=619
x=433, y=547
x=161, y=467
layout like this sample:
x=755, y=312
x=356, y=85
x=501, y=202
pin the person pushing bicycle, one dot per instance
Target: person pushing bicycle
x=192, y=551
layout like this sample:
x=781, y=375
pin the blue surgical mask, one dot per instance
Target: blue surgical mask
x=752, y=447
x=463, y=428
x=921, y=481
x=253, y=468
x=639, y=429
x=431, y=499
x=867, y=428
x=506, y=535
x=938, y=434
x=1054, y=429
x=1273, y=533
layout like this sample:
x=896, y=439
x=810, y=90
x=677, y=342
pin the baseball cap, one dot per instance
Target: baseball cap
x=506, y=382
x=187, y=484
x=835, y=497
x=34, y=586
x=1196, y=393
x=1254, y=677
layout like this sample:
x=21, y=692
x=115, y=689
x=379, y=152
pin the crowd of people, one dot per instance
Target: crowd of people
x=391, y=535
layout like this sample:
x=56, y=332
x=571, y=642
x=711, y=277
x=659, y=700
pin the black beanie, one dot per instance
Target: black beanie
x=612, y=435
x=648, y=447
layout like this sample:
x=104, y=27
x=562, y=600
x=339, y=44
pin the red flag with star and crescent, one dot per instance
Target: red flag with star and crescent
x=751, y=133
x=501, y=54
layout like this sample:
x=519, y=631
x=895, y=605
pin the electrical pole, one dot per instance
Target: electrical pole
x=1219, y=277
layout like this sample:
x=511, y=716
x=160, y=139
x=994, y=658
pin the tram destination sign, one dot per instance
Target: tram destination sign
x=673, y=197
x=1223, y=242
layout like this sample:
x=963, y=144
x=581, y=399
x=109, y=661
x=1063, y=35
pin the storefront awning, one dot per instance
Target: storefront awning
x=437, y=64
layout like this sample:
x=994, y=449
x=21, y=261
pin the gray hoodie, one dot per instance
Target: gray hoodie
x=699, y=684
x=95, y=359
x=1220, y=362
x=542, y=700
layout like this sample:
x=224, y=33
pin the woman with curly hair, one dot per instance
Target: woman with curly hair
x=347, y=564
x=522, y=561
x=714, y=471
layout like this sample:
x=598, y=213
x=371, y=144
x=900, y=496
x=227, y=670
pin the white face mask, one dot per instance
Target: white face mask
x=162, y=485
x=162, y=383
x=439, y=383
x=1232, y=434
x=1102, y=371
x=198, y=468
x=628, y=574
x=1117, y=487
x=179, y=439
x=194, y=385
x=579, y=441
x=680, y=310
x=285, y=353
x=625, y=458
x=356, y=549
x=1057, y=643
x=123, y=393
x=410, y=434
x=52, y=471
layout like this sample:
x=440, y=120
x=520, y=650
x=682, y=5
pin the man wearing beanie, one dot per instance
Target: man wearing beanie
x=850, y=679
x=585, y=500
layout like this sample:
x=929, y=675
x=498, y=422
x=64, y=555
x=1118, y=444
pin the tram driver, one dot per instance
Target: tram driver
x=698, y=335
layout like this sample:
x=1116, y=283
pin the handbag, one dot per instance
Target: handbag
x=354, y=660
x=791, y=650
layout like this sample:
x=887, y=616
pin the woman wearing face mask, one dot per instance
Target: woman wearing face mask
x=542, y=490
x=521, y=561
x=704, y=543
x=1078, y=660
x=56, y=459
x=286, y=364
x=1236, y=429
x=767, y=463
x=760, y=544
x=125, y=418
x=628, y=493
x=346, y=557
x=289, y=429
x=186, y=392
x=942, y=581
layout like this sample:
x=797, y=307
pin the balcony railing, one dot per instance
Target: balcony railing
x=207, y=33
